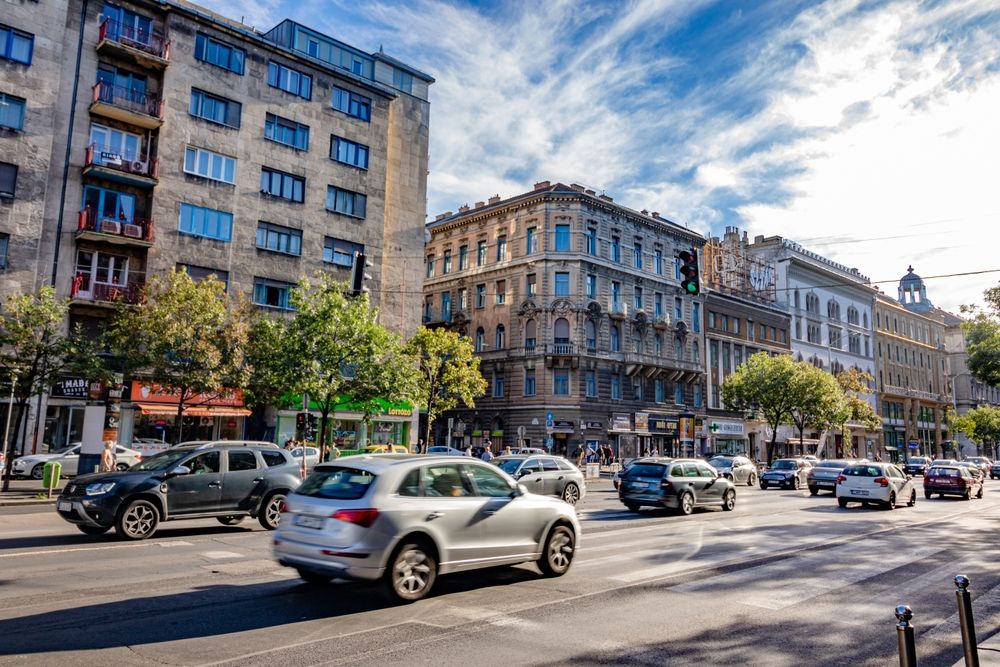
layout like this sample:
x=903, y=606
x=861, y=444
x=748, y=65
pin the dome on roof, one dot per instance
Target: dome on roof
x=913, y=292
x=910, y=276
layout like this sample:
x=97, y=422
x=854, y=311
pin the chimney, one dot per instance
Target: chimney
x=605, y=198
x=495, y=199
x=759, y=238
x=644, y=212
x=541, y=185
x=440, y=216
x=655, y=214
x=464, y=208
x=590, y=192
x=576, y=186
x=480, y=204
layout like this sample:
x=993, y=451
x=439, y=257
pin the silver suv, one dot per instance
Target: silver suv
x=545, y=475
x=403, y=519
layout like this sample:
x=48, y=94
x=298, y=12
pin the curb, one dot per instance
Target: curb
x=26, y=502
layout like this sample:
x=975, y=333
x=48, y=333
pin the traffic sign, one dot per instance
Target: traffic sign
x=548, y=443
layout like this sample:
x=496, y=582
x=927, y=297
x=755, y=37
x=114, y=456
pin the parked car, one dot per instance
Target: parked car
x=874, y=482
x=952, y=480
x=311, y=455
x=681, y=484
x=31, y=465
x=995, y=470
x=70, y=461
x=789, y=473
x=529, y=450
x=386, y=449
x=441, y=450
x=943, y=462
x=219, y=479
x=917, y=465
x=823, y=477
x=149, y=446
x=545, y=475
x=738, y=469
x=983, y=463
x=813, y=460
x=405, y=520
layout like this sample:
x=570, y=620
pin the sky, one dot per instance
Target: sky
x=868, y=131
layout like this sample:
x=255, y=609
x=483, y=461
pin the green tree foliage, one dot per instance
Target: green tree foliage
x=34, y=353
x=981, y=425
x=817, y=398
x=269, y=366
x=766, y=385
x=982, y=338
x=449, y=372
x=190, y=337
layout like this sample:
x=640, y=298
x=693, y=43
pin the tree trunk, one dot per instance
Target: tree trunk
x=324, y=415
x=179, y=419
x=770, y=445
x=8, y=465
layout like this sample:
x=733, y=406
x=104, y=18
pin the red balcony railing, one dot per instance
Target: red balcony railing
x=84, y=288
x=126, y=98
x=114, y=158
x=135, y=38
x=139, y=229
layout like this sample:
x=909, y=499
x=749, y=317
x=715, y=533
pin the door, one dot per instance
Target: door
x=451, y=511
x=713, y=485
x=198, y=491
x=530, y=474
x=507, y=526
x=554, y=479
x=70, y=463
x=242, y=482
x=109, y=204
x=903, y=486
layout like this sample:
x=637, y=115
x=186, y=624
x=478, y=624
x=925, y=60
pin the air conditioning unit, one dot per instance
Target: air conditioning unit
x=139, y=166
x=132, y=231
x=111, y=227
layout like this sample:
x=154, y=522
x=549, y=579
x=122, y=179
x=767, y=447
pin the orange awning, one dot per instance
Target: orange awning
x=153, y=409
x=195, y=411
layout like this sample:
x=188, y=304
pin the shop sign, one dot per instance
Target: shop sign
x=642, y=421
x=562, y=426
x=477, y=434
x=71, y=387
x=686, y=427
x=663, y=424
x=156, y=393
x=398, y=412
x=597, y=425
x=727, y=428
x=621, y=421
x=496, y=434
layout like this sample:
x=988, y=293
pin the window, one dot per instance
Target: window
x=207, y=222
x=497, y=385
x=205, y=163
x=560, y=332
x=711, y=321
x=637, y=297
x=501, y=337
x=562, y=283
x=429, y=273
x=107, y=204
x=616, y=249
x=678, y=308
x=400, y=79
x=346, y=202
x=480, y=296
x=119, y=144
x=480, y=253
x=501, y=293
x=532, y=284
x=678, y=393
x=279, y=184
x=501, y=248
x=616, y=388
x=480, y=340
x=657, y=305
x=210, y=50
x=591, y=286
x=529, y=382
x=488, y=483
x=736, y=327
x=696, y=317
x=615, y=336
x=463, y=257
x=272, y=293
x=199, y=273
x=446, y=306
x=340, y=252
x=446, y=263
x=657, y=344
x=636, y=388
x=289, y=80
x=590, y=331
x=8, y=179
x=12, y=112
x=279, y=239
x=616, y=296
x=351, y=103
x=658, y=394
x=591, y=241
x=725, y=323
x=530, y=241
x=241, y=459
x=658, y=261
x=204, y=463
x=286, y=132
x=590, y=383
x=348, y=152
x=637, y=256
x=4, y=245
x=560, y=382
x=562, y=238
x=215, y=109
x=530, y=333
x=16, y=45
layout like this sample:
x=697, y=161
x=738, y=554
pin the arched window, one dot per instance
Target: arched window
x=678, y=348
x=500, y=337
x=480, y=340
x=529, y=334
x=561, y=331
x=864, y=317
x=695, y=353
x=833, y=309
x=852, y=315
x=591, y=330
x=657, y=345
x=616, y=344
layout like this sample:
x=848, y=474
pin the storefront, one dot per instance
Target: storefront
x=664, y=430
x=64, y=412
x=210, y=416
x=728, y=437
x=347, y=430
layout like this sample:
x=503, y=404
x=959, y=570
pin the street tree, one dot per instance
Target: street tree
x=269, y=364
x=449, y=372
x=381, y=370
x=765, y=385
x=981, y=425
x=188, y=337
x=35, y=352
x=982, y=338
x=855, y=384
x=817, y=399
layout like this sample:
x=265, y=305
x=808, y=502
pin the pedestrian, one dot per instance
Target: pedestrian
x=506, y=450
x=487, y=455
x=420, y=446
x=468, y=450
x=109, y=462
x=580, y=453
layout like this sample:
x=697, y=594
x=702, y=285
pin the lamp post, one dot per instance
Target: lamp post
x=6, y=430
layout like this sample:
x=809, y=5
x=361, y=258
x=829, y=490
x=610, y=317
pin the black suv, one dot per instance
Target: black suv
x=226, y=480
x=682, y=484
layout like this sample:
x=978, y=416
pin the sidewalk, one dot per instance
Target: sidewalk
x=989, y=651
x=24, y=491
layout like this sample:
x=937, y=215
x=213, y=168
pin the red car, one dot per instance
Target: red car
x=952, y=480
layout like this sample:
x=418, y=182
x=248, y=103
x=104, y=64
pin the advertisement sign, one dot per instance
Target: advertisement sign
x=663, y=424
x=621, y=421
x=642, y=421
x=686, y=423
x=151, y=392
x=73, y=387
x=727, y=428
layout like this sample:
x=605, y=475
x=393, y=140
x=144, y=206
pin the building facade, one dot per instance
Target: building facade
x=967, y=391
x=574, y=306
x=169, y=137
x=914, y=393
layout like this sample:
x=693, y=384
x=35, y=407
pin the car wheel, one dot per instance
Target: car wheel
x=229, y=520
x=138, y=520
x=311, y=577
x=928, y=494
x=632, y=507
x=37, y=471
x=891, y=505
x=813, y=490
x=93, y=530
x=571, y=494
x=121, y=467
x=752, y=479
x=967, y=495
x=842, y=502
x=411, y=573
x=686, y=504
x=729, y=500
x=795, y=483
x=763, y=484
x=980, y=494
x=913, y=499
x=558, y=554
x=270, y=510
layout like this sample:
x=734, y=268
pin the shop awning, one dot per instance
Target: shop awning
x=153, y=409
x=193, y=411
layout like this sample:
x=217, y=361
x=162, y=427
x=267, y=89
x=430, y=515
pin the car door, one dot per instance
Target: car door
x=451, y=512
x=554, y=479
x=198, y=491
x=242, y=480
x=69, y=462
x=691, y=478
x=530, y=474
x=508, y=526
x=712, y=483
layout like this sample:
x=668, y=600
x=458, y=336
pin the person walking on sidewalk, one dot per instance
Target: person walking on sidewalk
x=109, y=462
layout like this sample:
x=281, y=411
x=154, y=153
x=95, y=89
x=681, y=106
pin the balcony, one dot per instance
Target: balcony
x=92, y=226
x=648, y=365
x=145, y=48
x=129, y=106
x=84, y=291
x=108, y=162
x=560, y=353
x=914, y=393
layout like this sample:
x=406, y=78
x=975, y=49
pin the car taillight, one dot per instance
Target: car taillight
x=841, y=478
x=665, y=484
x=364, y=518
x=882, y=481
x=962, y=481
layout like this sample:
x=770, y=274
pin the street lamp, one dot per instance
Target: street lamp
x=6, y=430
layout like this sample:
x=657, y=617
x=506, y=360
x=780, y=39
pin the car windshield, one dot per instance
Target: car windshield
x=337, y=483
x=977, y=460
x=944, y=472
x=721, y=462
x=919, y=460
x=162, y=461
x=509, y=466
x=863, y=471
x=783, y=464
x=645, y=470
x=832, y=464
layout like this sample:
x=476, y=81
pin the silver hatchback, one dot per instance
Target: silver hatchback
x=545, y=475
x=405, y=519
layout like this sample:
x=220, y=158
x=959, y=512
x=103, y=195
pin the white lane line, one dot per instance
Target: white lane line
x=220, y=555
x=49, y=552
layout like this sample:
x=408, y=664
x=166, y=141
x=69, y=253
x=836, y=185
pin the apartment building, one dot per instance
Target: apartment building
x=574, y=306
x=966, y=391
x=159, y=135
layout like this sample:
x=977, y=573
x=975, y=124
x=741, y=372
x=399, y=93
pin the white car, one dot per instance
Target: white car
x=31, y=465
x=70, y=461
x=149, y=446
x=311, y=453
x=872, y=482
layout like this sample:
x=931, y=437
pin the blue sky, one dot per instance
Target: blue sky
x=869, y=131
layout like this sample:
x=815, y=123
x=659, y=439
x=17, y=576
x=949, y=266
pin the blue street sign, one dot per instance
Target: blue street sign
x=548, y=443
x=549, y=420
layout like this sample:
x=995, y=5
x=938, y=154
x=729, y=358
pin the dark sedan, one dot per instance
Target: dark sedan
x=790, y=473
x=952, y=480
x=916, y=465
x=681, y=484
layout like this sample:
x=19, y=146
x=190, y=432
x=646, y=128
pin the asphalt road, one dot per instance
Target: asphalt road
x=785, y=579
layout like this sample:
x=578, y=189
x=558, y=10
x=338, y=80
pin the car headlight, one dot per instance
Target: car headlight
x=99, y=488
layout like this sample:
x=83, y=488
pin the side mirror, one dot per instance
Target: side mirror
x=518, y=491
x=179, y=470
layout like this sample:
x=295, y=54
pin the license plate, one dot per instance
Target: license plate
x=637, y=485
x=63, y=506
x=824, y=483
x=859, y=492
x=306, y=521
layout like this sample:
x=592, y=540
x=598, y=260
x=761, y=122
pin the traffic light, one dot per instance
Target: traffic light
x=311, y=426
x=358, y=274
x=300, y=421
x=689, y=272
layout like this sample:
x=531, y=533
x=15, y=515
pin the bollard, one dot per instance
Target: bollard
x=966, y=621
x=904, y=635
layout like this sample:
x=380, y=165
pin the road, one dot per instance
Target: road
x=785, y=579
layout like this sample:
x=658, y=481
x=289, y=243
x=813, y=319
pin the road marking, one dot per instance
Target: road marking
x=49, y=552
x=220, y=555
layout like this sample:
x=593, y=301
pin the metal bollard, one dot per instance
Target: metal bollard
x=904, y=636
x=965, y=620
